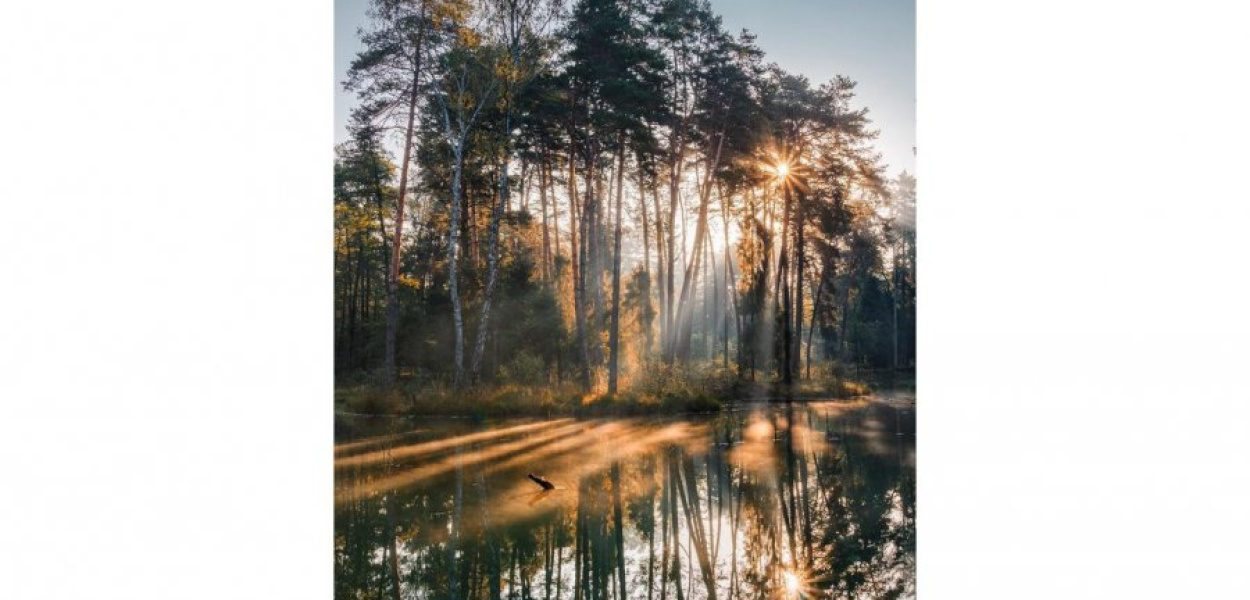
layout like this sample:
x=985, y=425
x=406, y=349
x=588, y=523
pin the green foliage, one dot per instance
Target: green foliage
x=524, y=368
x=364, y=195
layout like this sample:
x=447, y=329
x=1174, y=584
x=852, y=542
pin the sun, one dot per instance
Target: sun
x=792, y=583
x=779, y=169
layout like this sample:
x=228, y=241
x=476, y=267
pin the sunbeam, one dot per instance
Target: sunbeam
x=415, y=450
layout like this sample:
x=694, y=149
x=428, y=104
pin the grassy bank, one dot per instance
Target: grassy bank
x=661, y=391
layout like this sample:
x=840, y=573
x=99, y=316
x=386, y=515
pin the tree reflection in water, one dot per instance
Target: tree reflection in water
x=757, y=504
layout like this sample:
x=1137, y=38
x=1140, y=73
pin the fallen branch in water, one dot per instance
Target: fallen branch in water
x=547, y=485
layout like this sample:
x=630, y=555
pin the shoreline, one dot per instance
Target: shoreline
x=362, y=401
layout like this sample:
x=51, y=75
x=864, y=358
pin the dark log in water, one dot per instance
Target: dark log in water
x=547, y=485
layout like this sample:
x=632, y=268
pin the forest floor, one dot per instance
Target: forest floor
x=707, y=392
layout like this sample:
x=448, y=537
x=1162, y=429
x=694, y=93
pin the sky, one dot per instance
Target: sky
x=871, y=41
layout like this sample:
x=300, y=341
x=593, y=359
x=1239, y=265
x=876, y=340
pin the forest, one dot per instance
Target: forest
x=546, y=205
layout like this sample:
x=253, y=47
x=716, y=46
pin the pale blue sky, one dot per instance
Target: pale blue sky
x=870, y=41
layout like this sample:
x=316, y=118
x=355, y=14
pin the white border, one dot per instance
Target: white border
x=165, y=363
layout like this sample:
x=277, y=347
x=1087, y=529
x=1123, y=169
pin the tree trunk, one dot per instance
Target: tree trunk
x=542, y=201
x=731, y=286
x=783, y=290
x=684, y=309
x=660, y=260
x=820, y=287
x=646, y=256
x=670, y=267
x=894, y=305
x=555, y=221
x=453, y=263
x=614, y=336
x=492, y=271
x=595, y=253
x=798, y=283
x=709, y=313
x=392, y=279
x=576, y=223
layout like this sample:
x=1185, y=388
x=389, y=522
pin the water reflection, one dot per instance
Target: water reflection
x=814, y=500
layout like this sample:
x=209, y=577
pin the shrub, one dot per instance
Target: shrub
x=374, y=401
x=524, y=368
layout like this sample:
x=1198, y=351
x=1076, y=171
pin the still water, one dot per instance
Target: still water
x=812, y=500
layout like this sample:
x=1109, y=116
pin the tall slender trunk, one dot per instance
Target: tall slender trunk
x=820, y=287
x=588, y=272
x=844, y=317
x=492, y=258
x=798, y=282
x=614, y=336
x=709, y=312
x=646, y=255
x=731, y=286
x=646, y=225
x=392, y=279
x=691, y=275
x=473, y=249
x=453, y=266
x=542, y=202
x=670, y=259
x=894, y=305
x=457, y=137
x=555, y=221
x=596, y=196
x=783, y=290
x=659, y=263
x=576, y=223
x=492, y=277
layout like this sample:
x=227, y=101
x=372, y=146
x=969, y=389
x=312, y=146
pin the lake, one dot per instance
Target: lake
x=811, y=500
